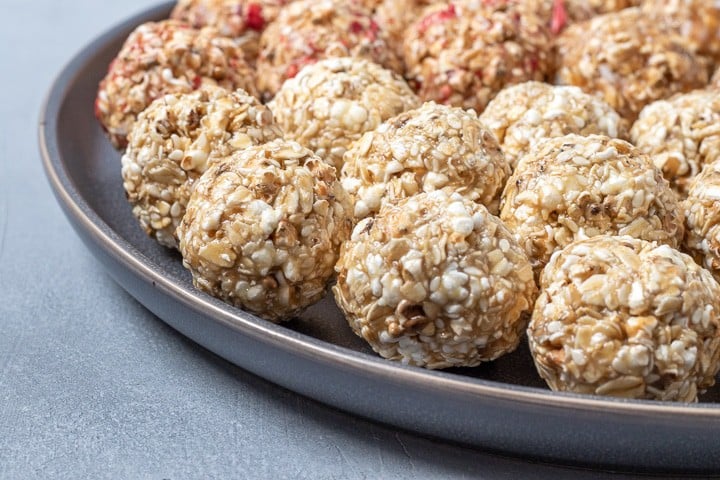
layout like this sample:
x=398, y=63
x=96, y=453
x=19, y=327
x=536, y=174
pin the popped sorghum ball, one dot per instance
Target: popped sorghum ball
x=522, y=115
x=306, y=31
x=435, y=281
x=423, y=150
x=464, y=51
x=173, y=141
x=160, y=58
x=575, y=187
x=680, y=134
x=331, y=103
x=628, y=61
x=263, y=229
x=624, y=317
x=702, y=219
x=242, y=20
x=698, y=21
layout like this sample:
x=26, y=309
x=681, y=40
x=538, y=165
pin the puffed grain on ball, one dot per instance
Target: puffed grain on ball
x=702, y=219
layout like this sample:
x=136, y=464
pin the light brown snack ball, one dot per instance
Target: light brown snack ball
x=698, y=21
x=331, y=103
x=575, y=187
x=702, y=219
x=681, y=135
x=435, y=281
x=423, y=150
x=522, y=115
x=162, y=58
x=243, y=20
x=173, y=142
x=463, y=52
x=628, y=61
x=263, y=229
x=623, y=317
x=306, y=31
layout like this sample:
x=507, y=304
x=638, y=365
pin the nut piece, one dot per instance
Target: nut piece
x=627, y=318
x=309, y=30
x=681, y=135
x=696, y=20
x=702, y=219
x=242, y=20
x=263, y=229
x=575, y=187
x=465, y=51
x=423, y=150
x=628, y=60
x=522, y=115
x=435, y=281
x=330, y=104
x=174, y=140
x=162, y=58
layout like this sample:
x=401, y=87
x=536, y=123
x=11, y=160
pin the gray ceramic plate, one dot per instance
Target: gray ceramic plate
x=502, y=406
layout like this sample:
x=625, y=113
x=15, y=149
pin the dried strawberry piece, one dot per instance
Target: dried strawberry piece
x=559, y=17
x=254, y=17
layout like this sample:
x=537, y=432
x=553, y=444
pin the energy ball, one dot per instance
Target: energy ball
x=331, y=103
x=263, y=229
x=681, y=135
x=174, y=140
x=575, y=187
x=522, y=115
x=623, y=317
x=702, y=219
x=423, y=150
x=628, y=61
x=696, y=20
x=162, y=58
x=309, y=30
x=465, y=51
x=242, y=20
x=435, y=281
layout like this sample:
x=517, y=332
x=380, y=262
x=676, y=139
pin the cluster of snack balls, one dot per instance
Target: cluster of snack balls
x=466, y=172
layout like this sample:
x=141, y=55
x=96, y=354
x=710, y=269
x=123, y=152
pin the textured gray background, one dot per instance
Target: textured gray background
x=93, y=385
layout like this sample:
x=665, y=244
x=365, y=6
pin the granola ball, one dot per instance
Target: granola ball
x=576, y=187
x=702, y=219
x=681, y=135
x=696, y=20
x=309, y=30
x=242, y=20
x=522, y=115
x=435, y=281
x=464, y=51
x=162, y=58
x=628, y=61
x=423, y=150
x=174, y=140
x=331, y=103
x=263, y=229
x=624, y=317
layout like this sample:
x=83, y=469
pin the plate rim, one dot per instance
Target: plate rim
x=82, y=215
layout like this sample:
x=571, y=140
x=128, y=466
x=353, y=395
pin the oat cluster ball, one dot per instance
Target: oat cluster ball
x=263, y=229
x=575, y=187
x=628, y=61
x=522, y=115
x=698, y=21
x=306, y=31
x=435, y=281
x=174, y=140
x=242, y=20
x=331, y=103
x=463, y=52
x=627, y=318
x=162, y=58
x=681, y=135
x=431, y=148
x=702, y=219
